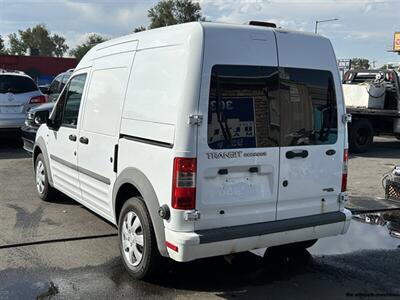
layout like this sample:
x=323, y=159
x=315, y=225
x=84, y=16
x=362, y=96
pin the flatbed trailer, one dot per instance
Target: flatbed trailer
x=369, y=122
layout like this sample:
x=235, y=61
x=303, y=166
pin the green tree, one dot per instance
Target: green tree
x=60, y=47
x=360, y=63
x=3, y=49
x=394, y=66
x=16, y=45
x=171, y=12
x=37, y=37
x=92, y=40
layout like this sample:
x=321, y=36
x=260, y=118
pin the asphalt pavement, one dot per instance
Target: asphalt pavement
x=61, y=250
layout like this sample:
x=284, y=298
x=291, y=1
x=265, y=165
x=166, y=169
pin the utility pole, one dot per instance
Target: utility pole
x=323, y=21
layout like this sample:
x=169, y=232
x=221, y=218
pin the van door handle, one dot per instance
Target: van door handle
x=330, y=152
x=84, y=140
x=253, y=170
x=293, y=154
x=72, y=137
x=223, y=171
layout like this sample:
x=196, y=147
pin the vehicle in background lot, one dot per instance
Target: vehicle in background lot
x=44, y=88
x=211, y=146
x=57, y=85
x=372, y=97
x=35, y=117
x=18, y=93
x=38, y=115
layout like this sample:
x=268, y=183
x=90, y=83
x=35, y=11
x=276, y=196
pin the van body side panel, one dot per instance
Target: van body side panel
x=237, y=176
x=311, y=123
x=100, y=126
x=163, y=90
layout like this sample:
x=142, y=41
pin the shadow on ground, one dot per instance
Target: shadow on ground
x=381, y=148
x=11, y=148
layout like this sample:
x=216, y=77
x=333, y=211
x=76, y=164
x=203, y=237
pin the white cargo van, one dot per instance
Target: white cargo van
x=202, y=139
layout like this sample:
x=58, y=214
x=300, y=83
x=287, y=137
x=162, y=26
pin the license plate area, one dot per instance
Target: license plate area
x=12, y=109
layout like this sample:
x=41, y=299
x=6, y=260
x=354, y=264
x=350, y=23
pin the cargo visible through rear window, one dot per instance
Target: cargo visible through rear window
x=243, y=108
x=259, y=106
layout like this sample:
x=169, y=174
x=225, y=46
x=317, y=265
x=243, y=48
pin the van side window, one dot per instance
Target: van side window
x=64, y=81
x=308, y=107
x=243, y=107
x=73, y=100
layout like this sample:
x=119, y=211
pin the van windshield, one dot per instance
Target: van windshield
x=261, y=106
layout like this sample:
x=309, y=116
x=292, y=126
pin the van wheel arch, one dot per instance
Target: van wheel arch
x=133, y=183
x=36, y=152
x=40, y=148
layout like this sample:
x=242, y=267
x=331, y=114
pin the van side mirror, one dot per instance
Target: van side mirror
x=45, y=89
x=51, y=124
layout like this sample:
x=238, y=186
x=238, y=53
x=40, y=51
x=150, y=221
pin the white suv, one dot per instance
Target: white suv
x=202, y=139
x=18, y=93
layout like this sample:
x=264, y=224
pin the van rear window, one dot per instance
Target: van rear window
x=261, y=106
x=243, y=110
x=308, y=107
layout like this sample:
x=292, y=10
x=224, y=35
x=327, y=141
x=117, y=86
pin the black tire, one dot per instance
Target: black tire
x=361, y=135
x=47, y=192
x=151, y=259
x=397, y=136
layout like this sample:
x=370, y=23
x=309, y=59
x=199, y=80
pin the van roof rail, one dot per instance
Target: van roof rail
x=261, y=23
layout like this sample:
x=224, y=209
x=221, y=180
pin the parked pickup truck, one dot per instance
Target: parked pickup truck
x=372, y=97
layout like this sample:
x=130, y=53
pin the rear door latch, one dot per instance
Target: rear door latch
x=346, y=118
x=343, y=197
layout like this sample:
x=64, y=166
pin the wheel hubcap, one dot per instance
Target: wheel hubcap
x=132, y=239
x=40, y=177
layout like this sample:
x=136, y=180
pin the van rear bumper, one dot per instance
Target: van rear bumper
x=222, y=241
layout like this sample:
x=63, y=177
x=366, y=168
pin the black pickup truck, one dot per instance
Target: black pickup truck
x=35, y=117
x=39, y=114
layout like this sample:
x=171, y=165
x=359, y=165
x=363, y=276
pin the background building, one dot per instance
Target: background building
x=41, y=68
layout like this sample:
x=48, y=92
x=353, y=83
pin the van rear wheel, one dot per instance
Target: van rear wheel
x=137, y=242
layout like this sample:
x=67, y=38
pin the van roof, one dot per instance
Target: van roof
x=176, y=34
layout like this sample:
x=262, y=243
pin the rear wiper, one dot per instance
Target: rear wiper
x=223, y=125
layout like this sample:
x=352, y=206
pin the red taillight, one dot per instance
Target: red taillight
x=171, y=246
x=344, y=172
x=184, y=183
x=38, y=99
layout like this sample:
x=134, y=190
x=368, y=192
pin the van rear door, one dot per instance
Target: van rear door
x=312, y=134
x=238, y=153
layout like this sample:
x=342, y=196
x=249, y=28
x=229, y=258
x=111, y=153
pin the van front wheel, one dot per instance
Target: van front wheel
x=43, y=188
x=137, y=242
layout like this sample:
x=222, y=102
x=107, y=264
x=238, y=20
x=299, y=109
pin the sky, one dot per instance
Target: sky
x=365, y=27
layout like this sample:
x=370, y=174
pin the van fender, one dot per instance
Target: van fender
x=142, y=184
x=41, y=144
